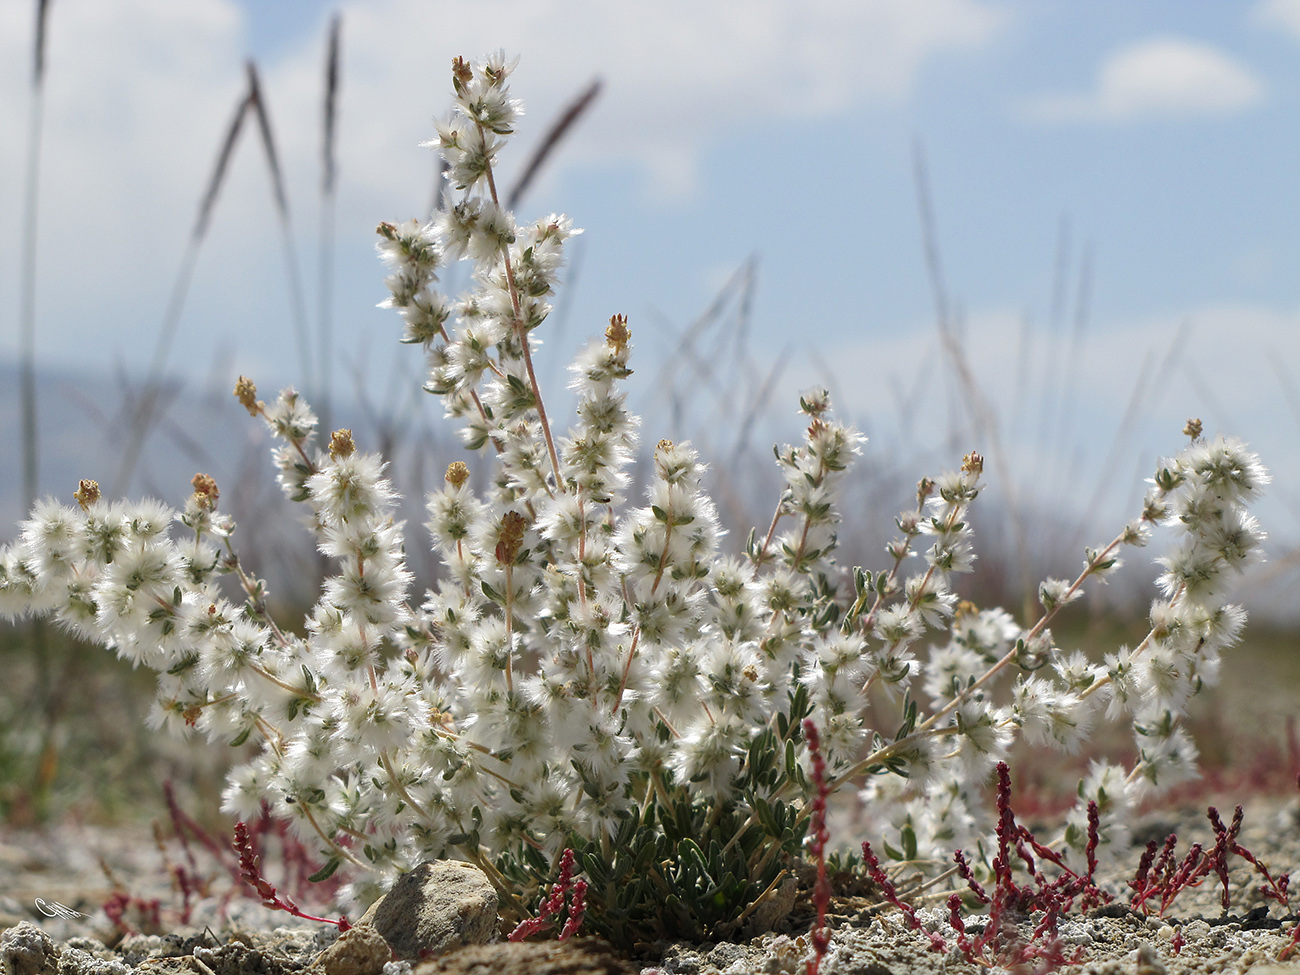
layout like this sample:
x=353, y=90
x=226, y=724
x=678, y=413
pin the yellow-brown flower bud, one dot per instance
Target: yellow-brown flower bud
x=205, y=491
x=341, y=444
x=461, y=73
x=511, y=537
x=87, y=493
x=457, y=473
x=246, y=393
x=617, y=334
x=924, y=488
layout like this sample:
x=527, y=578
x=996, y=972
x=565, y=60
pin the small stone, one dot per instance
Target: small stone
x=27, y=950
x=576, y=956
x=775, y=909
x=1148, y=962
x=361, y=950
x=167, y=965
x=77, y=961
x=440, y=905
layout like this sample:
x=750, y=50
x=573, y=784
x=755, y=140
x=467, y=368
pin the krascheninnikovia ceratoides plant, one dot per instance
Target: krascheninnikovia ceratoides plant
x=596, y=674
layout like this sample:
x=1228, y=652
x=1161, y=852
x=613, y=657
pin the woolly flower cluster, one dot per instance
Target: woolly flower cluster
x=583, y=653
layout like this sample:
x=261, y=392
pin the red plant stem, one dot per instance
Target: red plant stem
x=963, y=868
x=891, y=894
x=553, y=905
x=252, y=874
x=820, y=836
x=1295, y=942
x=577, y=908
x=954, y=918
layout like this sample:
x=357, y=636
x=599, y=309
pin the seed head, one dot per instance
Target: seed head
x=1193, y=429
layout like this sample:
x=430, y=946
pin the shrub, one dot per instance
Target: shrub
x=598, y=675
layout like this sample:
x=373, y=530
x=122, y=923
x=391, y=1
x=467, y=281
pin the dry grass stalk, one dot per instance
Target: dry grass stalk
x=554, y=135
x=328, y=200
x=143, y=415
x=297, y=303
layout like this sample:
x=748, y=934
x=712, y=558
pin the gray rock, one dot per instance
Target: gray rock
x=27, y=950
x=361, y=950
x=439, y=905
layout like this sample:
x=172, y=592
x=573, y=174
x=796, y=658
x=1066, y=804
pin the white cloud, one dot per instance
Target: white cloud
x=1282, y=14
x=678, y=72
x=1166, y=77
x=139, y=93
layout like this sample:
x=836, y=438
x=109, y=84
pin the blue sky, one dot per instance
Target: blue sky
x=1152, y=149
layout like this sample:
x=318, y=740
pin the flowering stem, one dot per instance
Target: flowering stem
x=882, y=592
x=510, y=636
x=627, y=669
x=522, y=332
x=771, y=533
x=329, y=841
x=582, y=566
x=296, y=691
x=1011, y=655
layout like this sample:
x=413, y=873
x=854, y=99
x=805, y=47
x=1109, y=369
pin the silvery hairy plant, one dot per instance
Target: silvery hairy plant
x=595, y=672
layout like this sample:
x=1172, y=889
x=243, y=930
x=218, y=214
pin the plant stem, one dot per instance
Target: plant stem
x=522, y=332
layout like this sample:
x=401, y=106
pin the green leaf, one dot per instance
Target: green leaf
x=909, y=719
x=185, y=663
x=908, y=836
x=325, y=872
x=690, y=852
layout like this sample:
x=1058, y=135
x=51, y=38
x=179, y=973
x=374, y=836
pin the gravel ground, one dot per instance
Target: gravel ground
x=57, y=880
